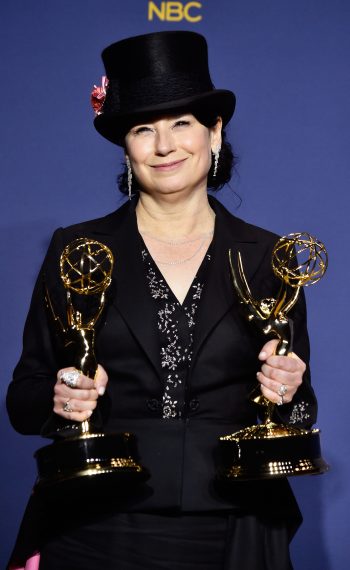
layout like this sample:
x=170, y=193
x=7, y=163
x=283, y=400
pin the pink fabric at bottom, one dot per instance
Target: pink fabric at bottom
x=31, y=564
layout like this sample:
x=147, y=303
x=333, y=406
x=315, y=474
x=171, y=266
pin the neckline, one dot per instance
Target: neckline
x=199, y=273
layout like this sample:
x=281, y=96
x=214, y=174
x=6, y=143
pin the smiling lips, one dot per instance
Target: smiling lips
x=166, y=166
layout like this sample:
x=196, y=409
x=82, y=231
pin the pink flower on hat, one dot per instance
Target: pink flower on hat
x=98, y=96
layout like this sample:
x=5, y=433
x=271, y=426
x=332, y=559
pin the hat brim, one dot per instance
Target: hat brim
x=114, y=126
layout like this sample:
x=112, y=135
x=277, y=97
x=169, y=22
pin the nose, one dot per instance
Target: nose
x=164, y=141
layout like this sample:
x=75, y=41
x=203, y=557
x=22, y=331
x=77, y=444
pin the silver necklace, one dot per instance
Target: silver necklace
x=178, y=242
x=181, y=261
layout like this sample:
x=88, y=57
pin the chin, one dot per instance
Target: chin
x=169, y=187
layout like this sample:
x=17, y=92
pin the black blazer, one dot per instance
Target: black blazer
x=181, y=455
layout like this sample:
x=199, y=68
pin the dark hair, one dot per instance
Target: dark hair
x=227, y=161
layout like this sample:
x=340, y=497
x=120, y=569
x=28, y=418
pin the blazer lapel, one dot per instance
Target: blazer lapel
x=218, y=295
x=132, y=296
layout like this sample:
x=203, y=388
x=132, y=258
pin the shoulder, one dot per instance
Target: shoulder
x=100, y=229
x=240, y=229
x=104, y=224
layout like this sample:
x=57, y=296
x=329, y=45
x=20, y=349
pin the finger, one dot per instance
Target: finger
x=296, y=358
x=288, y=363
x=64, y=392
x=274, y=387
x=274, y=378
x=82, y=405
x=74, y=416
x=268, y=349
x=273, y=397
x=69, y=377
x=70, y=405
x=101, y=380
x=81, y=382
x=281, y=375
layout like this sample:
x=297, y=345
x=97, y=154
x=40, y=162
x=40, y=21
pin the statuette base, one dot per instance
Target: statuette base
x=88, y=456
x=271, y=450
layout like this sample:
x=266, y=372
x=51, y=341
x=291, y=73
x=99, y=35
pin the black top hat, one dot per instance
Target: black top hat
x=158, y=73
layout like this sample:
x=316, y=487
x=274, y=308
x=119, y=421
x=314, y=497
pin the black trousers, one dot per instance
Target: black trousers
x=190, y=541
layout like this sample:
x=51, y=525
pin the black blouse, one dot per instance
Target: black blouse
x=176, y=325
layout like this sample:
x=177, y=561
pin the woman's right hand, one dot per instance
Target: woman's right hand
x=77, y=403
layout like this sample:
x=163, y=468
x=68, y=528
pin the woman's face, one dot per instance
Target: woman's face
x=172, y=154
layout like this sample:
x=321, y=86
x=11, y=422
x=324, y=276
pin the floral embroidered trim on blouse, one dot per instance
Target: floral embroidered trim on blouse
x=175, y=323
x=299, y=413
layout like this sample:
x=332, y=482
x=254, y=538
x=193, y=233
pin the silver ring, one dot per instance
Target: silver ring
x=70, y=378
x=282, y=390
x=280, y=402
x=66, y=406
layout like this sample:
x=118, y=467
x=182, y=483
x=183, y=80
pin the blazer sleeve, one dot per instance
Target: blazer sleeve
x=302, y=410
x=30, y=394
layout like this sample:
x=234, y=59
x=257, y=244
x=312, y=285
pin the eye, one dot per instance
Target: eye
x=182, y=123
x=142, y=129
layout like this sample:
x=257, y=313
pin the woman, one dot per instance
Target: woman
x=177, y=360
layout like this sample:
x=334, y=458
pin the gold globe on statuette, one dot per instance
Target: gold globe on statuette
x=270, y=449
x=82, y=453
x=299, y=260
x=86, y=266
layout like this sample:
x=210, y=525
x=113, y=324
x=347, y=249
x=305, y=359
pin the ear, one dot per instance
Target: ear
x=215, y=135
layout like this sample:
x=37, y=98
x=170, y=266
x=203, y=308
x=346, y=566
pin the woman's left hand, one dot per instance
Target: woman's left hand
x=280, y=376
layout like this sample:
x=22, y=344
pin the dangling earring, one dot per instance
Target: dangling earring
x=216, y=161
x=128, y=166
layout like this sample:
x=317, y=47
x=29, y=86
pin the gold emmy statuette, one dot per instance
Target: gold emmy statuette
x=82, y=453
x=269, y=449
